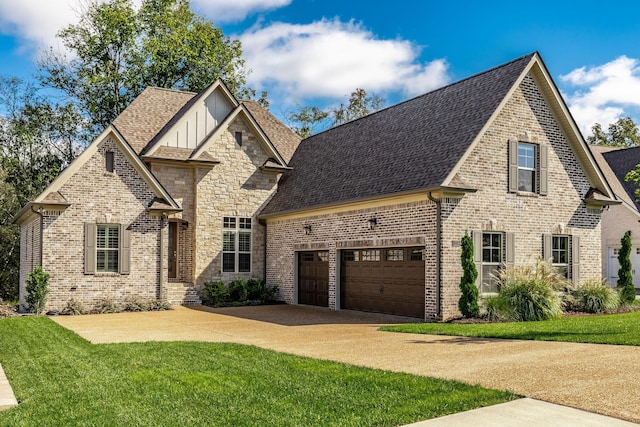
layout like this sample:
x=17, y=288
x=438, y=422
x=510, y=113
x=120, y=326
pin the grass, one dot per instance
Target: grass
x=61, y=379
x=619, y=329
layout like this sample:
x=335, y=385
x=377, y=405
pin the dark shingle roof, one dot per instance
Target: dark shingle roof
x=409, y=146
x=619, y=163
x=148, y=114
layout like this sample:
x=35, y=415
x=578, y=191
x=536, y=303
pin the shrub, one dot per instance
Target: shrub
x=529, y=292
x=158, y=305
x=37, y=290
x=625, y=279
x=106, y=305
x=468, y=302
x=215, y=293
x=257, y=290
x=238, y=290
x=594, y=296
x=74, y=308
x=135, y=304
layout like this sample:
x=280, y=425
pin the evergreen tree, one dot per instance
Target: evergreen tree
x=625, y=279
x=468, y=302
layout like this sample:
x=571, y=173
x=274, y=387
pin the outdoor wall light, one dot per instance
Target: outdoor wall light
x=307, y=229
x=372, y=223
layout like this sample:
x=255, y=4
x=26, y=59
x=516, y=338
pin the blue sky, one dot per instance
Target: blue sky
x=318, y=51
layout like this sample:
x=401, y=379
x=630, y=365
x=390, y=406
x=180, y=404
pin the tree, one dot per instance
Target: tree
x=360, y=105
x=116, y=51
x=625, y=279
x=468, y=302
x=622, y=133
x=306, y=119
x=37, y=290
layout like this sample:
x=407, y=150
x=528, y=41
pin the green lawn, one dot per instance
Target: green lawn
x=621, y=329
x=61, y=379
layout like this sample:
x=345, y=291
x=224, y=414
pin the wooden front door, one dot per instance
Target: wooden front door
x=173, y=250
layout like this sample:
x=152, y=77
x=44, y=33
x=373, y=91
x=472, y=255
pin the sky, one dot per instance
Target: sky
x=316, y=52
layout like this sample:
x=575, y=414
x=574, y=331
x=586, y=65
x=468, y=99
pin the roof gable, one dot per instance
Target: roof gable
x=50, y=195
x=412, y=146
x=615, y=163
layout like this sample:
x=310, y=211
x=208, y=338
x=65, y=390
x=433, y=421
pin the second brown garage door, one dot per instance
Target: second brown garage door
x=387, y=281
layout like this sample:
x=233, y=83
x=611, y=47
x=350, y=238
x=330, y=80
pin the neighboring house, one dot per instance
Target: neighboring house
x=165, y=199
x=371, y=215
x=615, y=163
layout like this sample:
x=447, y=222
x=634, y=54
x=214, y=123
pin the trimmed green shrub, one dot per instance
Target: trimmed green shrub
x=74, y=308
x=468, y=302
x=257, y=290
x=594, y=296
x=238, y=290
x=37, y=290
x=529, y=293
x=215, y=293
x=625, y=279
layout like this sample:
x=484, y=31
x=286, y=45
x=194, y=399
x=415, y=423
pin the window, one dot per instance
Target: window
x=107, y=248
x=560, y=254
x=394, y=255
x=416, y=254
x=236, y=245
x=350, y=255
x=108, y=161
x=370, y=255
x=564, y=253
x=492, y=258
x=528, y=168
x=239, y=138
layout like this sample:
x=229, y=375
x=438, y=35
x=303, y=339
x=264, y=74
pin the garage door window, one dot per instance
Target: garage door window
x=371, y=255
x=416, y=254
x=394, y=255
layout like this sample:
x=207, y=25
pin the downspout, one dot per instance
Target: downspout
x=162, y=295
x=438, y=203
x=41, y=235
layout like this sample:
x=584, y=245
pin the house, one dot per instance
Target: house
x=186, y=188
x=165, y=199
x=372, y=213
x=615, y=163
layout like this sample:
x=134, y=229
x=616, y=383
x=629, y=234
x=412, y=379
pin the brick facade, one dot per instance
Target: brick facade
x=525, y=117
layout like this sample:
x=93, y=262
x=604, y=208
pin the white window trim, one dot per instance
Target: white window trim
x=237, y=230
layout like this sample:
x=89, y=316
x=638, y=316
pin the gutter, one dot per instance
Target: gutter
x=438, y=203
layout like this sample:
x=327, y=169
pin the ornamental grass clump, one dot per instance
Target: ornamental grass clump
x=594, y=296
x=528, y=292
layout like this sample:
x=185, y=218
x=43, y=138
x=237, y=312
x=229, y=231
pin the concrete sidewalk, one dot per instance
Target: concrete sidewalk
x=7, y=398
x=524, y=413
x=598, y=379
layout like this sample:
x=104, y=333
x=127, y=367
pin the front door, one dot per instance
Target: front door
x=173, y=250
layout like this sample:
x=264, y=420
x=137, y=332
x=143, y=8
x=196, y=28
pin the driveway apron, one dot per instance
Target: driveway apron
x=602, y=379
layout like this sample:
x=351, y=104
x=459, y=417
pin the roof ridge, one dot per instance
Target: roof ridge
x=170, y=90
x=435, y=90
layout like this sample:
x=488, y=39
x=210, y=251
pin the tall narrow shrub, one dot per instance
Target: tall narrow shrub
x=468, y=302
x=625, y=279
x=37, y=290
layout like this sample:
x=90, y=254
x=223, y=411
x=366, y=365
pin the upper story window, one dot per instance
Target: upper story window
x=528, y=168
x=109, y=161
x=236, y=245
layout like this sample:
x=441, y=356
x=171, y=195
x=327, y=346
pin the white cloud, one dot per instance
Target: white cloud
x=35, y=22
x=330, y=58
x=601, y=94
x=234, y=10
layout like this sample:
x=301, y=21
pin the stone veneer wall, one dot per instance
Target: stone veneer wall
x=398, y=225
x=529, y=216
x=98, y=196
x=236, y=187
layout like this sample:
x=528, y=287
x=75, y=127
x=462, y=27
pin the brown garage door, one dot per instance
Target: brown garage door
x=313, y=278
x=387, y=281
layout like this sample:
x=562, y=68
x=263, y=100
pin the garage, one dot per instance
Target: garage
x=389, y=280
x=313, y=278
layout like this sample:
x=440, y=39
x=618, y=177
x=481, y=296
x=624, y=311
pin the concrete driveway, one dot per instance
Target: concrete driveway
x=602, y=379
